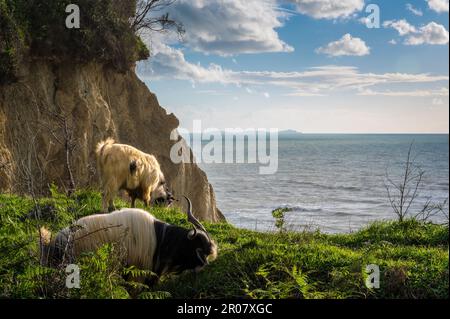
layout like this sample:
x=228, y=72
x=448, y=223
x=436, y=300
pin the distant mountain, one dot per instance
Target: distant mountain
x=281, y=134
x=289, y=133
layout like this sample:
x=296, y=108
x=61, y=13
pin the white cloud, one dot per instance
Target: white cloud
x=228, y=27
x=402, y=26
x=364, y=20
x=413, y=10
x=169, y=63
x=438, y=5
x=393, y=42
x=347, y=45
x=432, y=33
x=328, y=9
x=414, y=93
x=266, y=95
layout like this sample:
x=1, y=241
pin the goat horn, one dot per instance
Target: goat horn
x=191, y=218
x=194, y=233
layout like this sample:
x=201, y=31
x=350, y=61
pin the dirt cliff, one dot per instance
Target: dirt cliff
x=52, y=118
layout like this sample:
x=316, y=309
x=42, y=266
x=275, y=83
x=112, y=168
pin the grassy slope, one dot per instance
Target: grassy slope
x=413, y=259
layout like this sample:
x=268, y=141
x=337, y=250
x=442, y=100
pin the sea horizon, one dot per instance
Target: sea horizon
x=332, y=182
x=331, y=133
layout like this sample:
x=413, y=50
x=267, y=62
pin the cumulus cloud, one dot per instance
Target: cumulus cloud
x=432, y=33
x=347, y=45
x=228, y=27
x=413, y=10
x=364, y=20
x=328, y=9
x=169, y=63
x=438, y=5
x=402, y=26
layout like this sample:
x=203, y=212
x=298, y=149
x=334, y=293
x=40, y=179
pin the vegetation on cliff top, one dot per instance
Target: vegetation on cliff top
x=37, y=28
x=412, y=256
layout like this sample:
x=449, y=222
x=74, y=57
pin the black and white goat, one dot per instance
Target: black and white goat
x=150, y=244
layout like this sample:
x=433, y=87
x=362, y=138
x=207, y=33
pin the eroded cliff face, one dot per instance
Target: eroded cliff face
x=82, y=104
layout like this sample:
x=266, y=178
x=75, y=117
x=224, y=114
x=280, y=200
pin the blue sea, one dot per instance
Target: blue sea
x=335, y=183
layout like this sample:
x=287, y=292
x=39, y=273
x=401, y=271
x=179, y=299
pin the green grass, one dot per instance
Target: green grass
x=412, y=256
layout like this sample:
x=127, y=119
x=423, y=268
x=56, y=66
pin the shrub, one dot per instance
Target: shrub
x=279, y=215
x=105, y=35
x=11, y=43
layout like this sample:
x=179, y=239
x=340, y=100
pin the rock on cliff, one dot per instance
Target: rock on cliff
x=55, y=110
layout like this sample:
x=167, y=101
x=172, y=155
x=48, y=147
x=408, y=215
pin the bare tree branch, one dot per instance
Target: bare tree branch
x=146, y=17
x=403, y=194
x=430, y=210
x=63, y=134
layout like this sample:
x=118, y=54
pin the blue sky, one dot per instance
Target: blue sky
x=309, y=65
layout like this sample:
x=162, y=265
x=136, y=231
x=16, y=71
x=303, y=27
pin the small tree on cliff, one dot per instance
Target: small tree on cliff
x=403, y=193
x=149, y=17
x=63, y=134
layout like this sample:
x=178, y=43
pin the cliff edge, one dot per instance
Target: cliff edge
x=93, y=102
x=60, y=96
